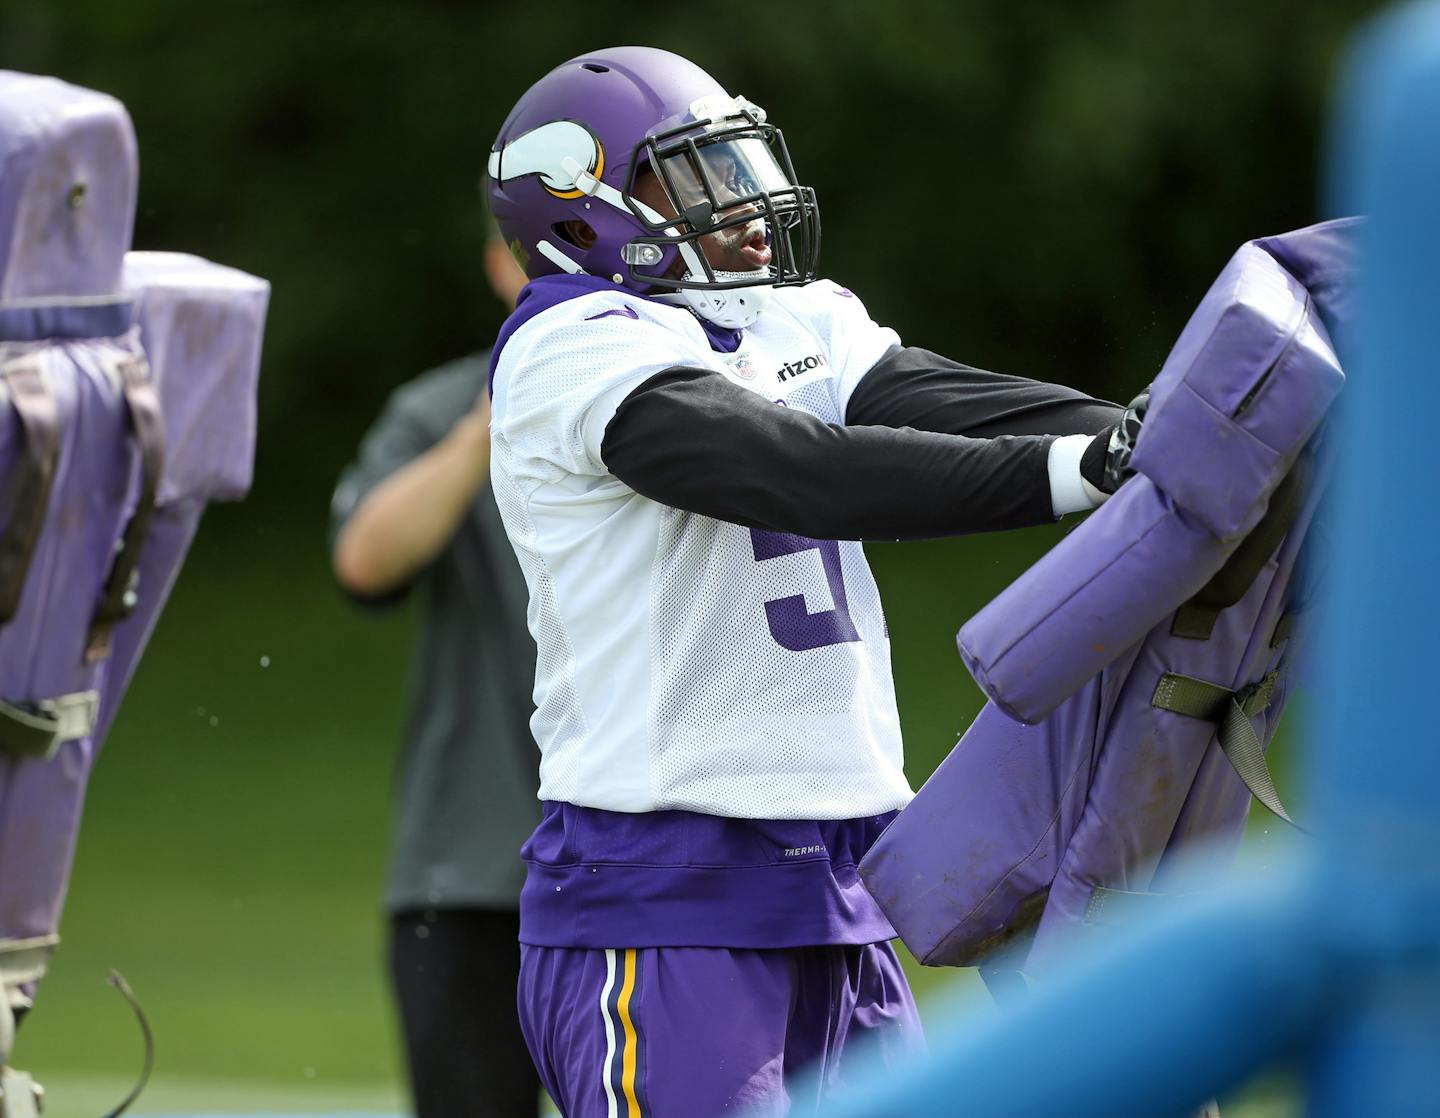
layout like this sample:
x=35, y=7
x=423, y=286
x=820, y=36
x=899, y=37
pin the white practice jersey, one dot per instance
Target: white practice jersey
x=686, y=662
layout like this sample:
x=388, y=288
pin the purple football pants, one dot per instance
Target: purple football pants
x=689, y=1032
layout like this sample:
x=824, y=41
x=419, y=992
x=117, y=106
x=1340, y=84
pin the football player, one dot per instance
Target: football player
x=691, y=432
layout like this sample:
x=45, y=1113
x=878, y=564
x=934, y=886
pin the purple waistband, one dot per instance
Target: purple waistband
x=681, y=879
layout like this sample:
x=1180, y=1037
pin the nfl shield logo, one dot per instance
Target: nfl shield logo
x=742, y=366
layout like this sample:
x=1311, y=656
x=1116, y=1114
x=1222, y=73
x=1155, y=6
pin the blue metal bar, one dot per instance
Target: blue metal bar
x=1377, y=769
x=1158, y=1025
x=1338, y=970
x=1377, y=765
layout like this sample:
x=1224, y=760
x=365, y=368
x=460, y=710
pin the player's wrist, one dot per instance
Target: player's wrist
x=1092, y=463
x=1105, y=463
x=1069, y=489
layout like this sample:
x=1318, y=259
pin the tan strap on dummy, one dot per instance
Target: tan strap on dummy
x=122, y=586
x=30, y=480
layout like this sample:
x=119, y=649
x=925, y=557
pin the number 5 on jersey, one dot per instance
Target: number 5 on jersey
x=791, y=625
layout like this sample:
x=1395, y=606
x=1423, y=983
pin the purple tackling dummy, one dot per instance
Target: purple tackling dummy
x=1112, y=662
x=127, y=401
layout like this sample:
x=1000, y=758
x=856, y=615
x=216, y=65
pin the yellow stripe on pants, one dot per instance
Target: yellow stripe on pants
x=631, y=1049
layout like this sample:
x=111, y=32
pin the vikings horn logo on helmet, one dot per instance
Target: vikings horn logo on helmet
x=551, y=151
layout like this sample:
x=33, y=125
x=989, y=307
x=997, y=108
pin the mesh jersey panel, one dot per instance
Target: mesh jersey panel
x=686, y=662
x=558, y=720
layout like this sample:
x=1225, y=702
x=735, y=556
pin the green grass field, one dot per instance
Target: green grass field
x=234, y=839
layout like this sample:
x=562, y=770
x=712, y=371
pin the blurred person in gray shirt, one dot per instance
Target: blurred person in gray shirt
x=415, y=510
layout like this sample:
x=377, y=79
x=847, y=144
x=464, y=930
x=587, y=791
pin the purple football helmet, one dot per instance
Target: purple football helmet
x=574, y=144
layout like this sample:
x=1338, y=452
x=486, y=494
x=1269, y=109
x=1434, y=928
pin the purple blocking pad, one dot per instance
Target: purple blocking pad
x=1023, y=823
x=144, y=366
x=969, y=862
x=206, y=380
x=68, y=172
x=1244, y=388
x=201, y=325
x=1163, y=803
x=43, y=646
x=1119, y=576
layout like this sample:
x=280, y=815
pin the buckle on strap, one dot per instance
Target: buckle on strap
x=20, y=1095
x=1256, y=697
x=38, y=728
x=1198, y=698
x=1230, y=712
x=24, y=960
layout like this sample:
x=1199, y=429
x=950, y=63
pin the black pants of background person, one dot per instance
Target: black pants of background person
x=455, y=973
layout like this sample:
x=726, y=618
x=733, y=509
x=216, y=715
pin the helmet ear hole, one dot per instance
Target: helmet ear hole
x=575, y=232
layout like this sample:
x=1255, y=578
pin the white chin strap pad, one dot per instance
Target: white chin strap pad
x=733, y=309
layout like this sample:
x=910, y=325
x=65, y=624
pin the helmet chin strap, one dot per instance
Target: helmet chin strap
x=732, y=309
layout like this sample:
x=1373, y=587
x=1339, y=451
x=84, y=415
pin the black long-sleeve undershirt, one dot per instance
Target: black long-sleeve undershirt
x=930, y=448
x=912, y=387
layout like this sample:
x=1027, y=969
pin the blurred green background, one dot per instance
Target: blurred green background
x=1043, y=189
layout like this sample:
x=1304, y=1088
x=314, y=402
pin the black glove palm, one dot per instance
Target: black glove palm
x=1106, y=461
